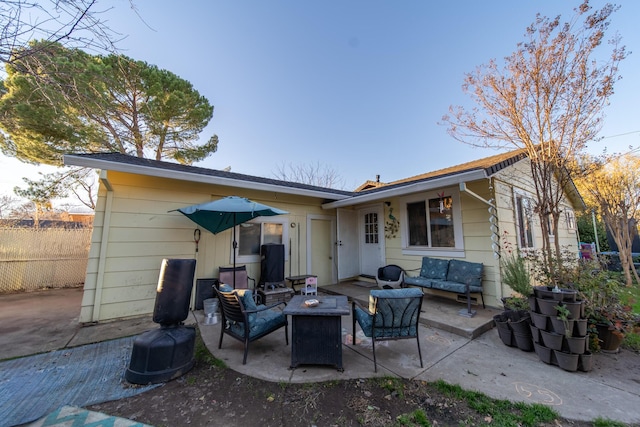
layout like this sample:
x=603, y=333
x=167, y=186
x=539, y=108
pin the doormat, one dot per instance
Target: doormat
x=365, y=284
x=33, y=386
x=70, y=416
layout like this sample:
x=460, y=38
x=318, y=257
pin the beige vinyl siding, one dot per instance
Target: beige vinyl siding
x=519, y=177
x=143, y=231
x=477, y=231
x=476, y=238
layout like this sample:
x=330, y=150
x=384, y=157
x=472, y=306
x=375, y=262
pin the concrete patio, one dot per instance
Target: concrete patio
x=611, y=390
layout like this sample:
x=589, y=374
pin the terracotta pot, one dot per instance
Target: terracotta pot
x=585, y=362
x=541, y=321
x=610, y=339
x=567, y=361
x=558, y=326
x=552, y=340
x=544, y=354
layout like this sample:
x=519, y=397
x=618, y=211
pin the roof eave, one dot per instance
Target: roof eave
x=410, y=188
x=101, y=164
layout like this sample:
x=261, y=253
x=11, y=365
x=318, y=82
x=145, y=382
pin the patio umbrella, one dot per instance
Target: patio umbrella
x=225, y=213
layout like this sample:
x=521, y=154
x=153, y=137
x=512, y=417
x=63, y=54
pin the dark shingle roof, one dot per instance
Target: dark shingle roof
x=490, y=165
x=177, y=167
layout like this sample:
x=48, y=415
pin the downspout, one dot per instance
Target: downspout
x=595, y=231
x=495, y=230
x=104, y=239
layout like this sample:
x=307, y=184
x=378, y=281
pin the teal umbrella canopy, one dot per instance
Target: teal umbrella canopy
x=222, y=214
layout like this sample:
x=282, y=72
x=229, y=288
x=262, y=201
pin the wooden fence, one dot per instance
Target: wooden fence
x=32, y=259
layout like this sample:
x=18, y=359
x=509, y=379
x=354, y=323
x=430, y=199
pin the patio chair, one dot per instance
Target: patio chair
x=225, y=275
x=242, y=279
x=246, y=322
x=393, y=314
x=310, y=286
x=390, y=276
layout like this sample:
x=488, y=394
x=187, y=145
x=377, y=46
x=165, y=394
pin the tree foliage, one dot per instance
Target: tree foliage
x=312, y=174
x=76, y=181
x=611, y=186
x=546, y=99
x=584, y=222
x=57, y=100
x=76, y=23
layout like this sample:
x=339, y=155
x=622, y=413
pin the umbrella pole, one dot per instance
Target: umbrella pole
x=235, y=246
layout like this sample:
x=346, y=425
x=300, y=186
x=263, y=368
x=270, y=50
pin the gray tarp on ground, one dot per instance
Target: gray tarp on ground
x=33, y=386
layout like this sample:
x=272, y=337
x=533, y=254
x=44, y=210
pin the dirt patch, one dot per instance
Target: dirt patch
x=215, y=396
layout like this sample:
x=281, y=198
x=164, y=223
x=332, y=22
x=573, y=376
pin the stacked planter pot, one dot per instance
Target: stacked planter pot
x=514, y=329
x=554, y=341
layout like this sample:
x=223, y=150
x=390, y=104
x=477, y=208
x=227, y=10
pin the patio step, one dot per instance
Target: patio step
x=437, y=312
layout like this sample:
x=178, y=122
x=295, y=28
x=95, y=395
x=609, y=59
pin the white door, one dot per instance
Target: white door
x=371, y=239
x=348, y=247
x=321, y=250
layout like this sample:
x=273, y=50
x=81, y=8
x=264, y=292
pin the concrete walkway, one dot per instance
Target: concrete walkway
x=31, y=323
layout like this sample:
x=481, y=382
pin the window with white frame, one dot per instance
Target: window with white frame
x=432, y=221
x=252, y=235
x=571, y=219
x=524, y=218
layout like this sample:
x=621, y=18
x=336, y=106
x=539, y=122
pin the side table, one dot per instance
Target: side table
x=316, y=332
x=298, y=280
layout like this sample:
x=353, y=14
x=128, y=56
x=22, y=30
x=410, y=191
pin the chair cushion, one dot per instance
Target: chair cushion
x=434, y=268
x=262, y=322
x=395, y=293
x=465, y=272
x=364, y=320
x=246, y=296
x=389, y=320
x=223, y=287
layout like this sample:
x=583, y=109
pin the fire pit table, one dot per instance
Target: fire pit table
x=316, y=331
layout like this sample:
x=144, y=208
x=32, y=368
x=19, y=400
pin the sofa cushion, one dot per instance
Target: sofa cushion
x=457, y=287
x=434, y=268
x=465, y=272
x=417, y=281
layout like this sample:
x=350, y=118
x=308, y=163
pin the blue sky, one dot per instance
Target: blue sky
x=358, y=86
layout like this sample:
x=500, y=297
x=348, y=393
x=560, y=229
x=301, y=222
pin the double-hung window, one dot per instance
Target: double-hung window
x=571, y=220
x=524, y=218
x=432, y=221
x=252, y=235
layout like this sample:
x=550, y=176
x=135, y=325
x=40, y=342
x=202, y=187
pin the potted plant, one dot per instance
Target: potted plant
x=608, y=319
x=516, y=276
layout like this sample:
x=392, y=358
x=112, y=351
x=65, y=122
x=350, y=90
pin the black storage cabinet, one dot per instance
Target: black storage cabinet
x=272, y=264
x=204, y=290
